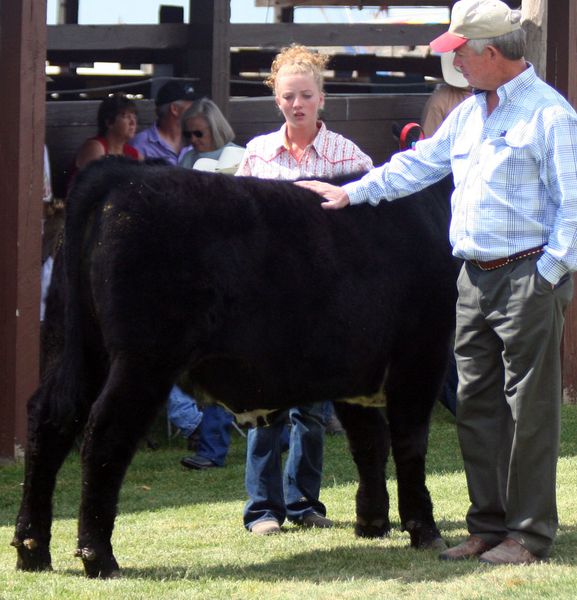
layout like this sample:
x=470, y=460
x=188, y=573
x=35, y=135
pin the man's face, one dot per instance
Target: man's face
x=478, y=69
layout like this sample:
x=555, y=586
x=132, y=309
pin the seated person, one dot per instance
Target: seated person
x=163, y=139
x=117, y=123
x=205, y=127
x=213, y=439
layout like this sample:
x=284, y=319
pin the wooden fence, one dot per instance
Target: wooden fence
x=365, y=119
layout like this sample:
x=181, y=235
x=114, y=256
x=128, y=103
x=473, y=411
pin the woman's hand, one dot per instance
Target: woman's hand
x=335, y=196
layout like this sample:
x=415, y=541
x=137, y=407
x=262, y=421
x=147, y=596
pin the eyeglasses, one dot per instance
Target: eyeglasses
x=196, y=133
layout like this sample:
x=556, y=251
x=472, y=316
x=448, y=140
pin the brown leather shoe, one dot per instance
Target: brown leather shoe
x=508, y=552
x=471, y=547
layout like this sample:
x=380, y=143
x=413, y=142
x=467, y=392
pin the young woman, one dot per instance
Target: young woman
x=302, y=147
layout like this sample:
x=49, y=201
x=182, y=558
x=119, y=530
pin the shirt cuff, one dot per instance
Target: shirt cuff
x=357, y=193
x=552, y=270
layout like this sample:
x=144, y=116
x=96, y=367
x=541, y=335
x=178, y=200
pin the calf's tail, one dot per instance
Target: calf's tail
x=70, y=398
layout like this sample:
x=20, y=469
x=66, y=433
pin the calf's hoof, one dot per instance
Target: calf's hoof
x=425, y=536
x=376, y=528
x=32, y=555
x=95, y=566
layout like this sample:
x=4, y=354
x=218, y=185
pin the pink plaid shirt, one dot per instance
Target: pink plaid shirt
x=330, y=154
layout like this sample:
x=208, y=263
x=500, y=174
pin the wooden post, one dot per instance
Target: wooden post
x=68, y=12
x=561, y=63
x=209, y=50
x=22, y=55
x=535, y=24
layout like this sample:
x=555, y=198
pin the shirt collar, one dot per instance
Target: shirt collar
x=279, y=144
x=154, y=135
x=518, y=86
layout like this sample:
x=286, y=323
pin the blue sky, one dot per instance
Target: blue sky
x=96, y=12
x=146, y=11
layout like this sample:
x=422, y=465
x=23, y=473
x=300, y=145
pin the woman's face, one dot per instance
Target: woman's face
x=299, y=98
x=124, y=125
x=197, y=132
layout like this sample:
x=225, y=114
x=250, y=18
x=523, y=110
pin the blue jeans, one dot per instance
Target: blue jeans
x=296, y=493
x=214, y=439
x=183, y=411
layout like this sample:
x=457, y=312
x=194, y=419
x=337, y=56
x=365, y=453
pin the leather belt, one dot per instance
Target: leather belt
x=489, y=265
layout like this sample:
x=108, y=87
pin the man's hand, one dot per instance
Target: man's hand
x=335, y=196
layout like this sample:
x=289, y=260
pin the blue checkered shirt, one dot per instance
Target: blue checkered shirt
x=515, y=175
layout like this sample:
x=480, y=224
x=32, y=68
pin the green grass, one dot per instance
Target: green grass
x=179, y=535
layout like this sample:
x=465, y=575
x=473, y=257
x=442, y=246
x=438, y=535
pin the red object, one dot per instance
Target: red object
x=411, y=133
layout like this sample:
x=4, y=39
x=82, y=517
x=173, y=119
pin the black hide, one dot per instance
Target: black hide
x=264, y=300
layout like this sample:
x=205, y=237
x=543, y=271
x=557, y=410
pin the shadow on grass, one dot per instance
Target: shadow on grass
x=155, y=480
x=376, y=561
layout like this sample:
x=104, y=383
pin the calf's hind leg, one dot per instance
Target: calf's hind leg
x=369, y=444
x=120, y=417
x=410, y=399
x=47, y=447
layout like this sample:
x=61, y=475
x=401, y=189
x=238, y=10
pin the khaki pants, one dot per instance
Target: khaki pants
x=507, y=347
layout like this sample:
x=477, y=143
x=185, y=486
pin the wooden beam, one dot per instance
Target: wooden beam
x=82, y=41
x=261, y=60
x=93, y=38
x=208, y=49
x=275, y=35
x=22, y=52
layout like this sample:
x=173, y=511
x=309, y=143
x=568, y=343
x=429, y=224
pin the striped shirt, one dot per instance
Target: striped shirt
x=329, y=154
x=515, y=174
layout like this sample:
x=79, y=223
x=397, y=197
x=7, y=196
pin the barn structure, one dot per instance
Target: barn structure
x=217, y=55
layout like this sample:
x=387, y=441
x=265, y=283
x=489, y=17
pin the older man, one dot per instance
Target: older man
x=512, y=148
x=164, y=138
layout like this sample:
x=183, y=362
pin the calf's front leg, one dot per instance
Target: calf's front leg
x=369, y=444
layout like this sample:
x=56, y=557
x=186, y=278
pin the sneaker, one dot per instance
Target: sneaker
x=314, y=519
x=197, y=462
x=266, y=527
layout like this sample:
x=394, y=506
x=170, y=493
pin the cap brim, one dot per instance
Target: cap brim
x=447, y=42
x=450, y=74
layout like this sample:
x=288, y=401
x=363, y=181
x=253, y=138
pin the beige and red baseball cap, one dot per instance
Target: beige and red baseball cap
x=476, y=20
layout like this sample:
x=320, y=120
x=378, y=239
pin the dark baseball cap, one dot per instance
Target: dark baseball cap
x=175, y=90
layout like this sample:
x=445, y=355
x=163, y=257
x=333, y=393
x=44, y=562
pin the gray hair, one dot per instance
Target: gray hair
x=511, y=45
x=222, y=132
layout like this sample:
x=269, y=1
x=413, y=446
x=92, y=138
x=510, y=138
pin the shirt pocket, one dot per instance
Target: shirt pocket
x=509, y=160
x=460, y=158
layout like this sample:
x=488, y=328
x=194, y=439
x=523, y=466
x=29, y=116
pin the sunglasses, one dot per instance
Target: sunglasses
x=196, y=133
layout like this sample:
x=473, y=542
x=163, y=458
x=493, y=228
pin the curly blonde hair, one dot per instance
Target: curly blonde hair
x=298, y=59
